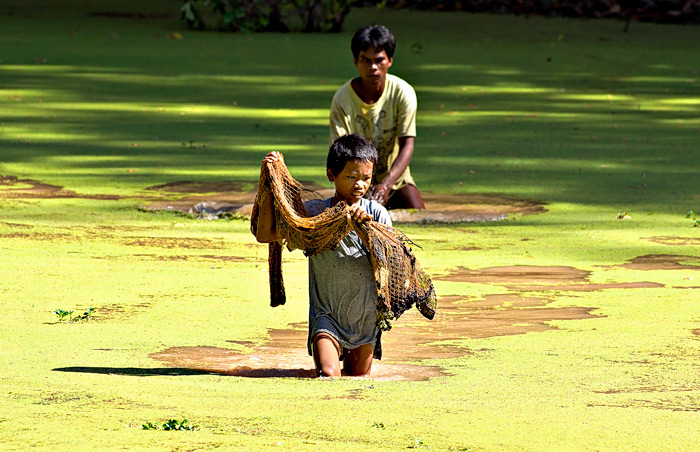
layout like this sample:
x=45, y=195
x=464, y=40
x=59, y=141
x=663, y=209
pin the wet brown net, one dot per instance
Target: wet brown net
x=400, y=281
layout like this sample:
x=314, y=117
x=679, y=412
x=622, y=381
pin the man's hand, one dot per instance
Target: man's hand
x=379, y=193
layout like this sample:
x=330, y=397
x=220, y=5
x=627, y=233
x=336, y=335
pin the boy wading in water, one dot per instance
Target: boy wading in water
x=342, y=290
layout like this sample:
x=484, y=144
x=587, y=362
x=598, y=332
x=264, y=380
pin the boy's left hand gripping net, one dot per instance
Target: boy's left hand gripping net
x=400, y=281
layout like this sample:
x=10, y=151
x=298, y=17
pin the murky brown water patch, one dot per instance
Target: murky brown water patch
x=458, y=318
x=445, y=208
x=413, y=338
x=237, y=197
x=197, y=258
x=662, y=262
x=41, y=236
x=172, y=242
x=114, y=311
x=675, y=241
x=16, y=225
x=293, y=363
x=12, y=187
x=529, y=278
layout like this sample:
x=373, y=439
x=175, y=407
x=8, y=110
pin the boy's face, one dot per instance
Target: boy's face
x=373, y=65
x=352, y=182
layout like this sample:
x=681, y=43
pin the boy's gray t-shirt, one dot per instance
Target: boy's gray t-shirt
x=342, y=290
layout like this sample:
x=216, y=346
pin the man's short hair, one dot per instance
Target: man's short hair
x=348, y=148
x=373, y=35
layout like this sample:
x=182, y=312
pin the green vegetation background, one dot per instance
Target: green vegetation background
x=593, y=121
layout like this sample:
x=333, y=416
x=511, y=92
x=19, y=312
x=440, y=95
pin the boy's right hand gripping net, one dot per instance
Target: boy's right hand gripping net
x=400, y=281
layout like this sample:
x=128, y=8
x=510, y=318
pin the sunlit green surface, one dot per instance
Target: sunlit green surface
x=593, y=121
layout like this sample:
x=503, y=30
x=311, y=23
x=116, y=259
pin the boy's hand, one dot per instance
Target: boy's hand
x=357, y=213
x=273, y=157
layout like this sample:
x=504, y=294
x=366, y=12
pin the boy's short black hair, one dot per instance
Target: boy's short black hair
x=373, y=35
x=348, y=148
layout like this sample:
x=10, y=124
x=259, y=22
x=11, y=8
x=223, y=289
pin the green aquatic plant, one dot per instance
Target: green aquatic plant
x=62, y=314
x=171, y=424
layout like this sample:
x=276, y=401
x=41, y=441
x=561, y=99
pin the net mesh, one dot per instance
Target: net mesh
x=400, y=280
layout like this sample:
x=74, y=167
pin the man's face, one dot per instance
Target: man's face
x=373, y=65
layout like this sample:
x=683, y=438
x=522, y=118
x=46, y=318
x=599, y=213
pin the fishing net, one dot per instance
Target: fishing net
x=400, y=281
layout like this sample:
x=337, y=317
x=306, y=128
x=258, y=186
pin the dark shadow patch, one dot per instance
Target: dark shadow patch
x=529, y=278
x=135, y=371
x=130, y=15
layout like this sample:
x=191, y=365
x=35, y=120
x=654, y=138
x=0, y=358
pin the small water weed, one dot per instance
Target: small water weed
x=85, y=316
x=417, y=443
x=171, y=424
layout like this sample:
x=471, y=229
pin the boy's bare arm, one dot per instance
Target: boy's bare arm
x=266, y=231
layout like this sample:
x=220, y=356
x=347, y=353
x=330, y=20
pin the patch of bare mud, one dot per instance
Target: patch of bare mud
x=114, y=311
x=40, y=236
x=12, y=187
x=232, y=197
x=528, y=278
x=215, y=198
x=413, y=338
x=662, y=262
x=667, y=405
x=675, y=241
x=197, y=258
x=490, y=316
x=172, y=243
x=444, y=208
x=16, y=225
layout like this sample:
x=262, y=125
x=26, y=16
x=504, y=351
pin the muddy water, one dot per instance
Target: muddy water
x=663, y=262
x=412, y=339
x=529, y=278
x=230, y=197
x=675, y=241
x=237, y=197
x=13, y=188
